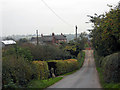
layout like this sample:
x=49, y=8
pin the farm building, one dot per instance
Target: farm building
x=50, y=39
x=8, y=42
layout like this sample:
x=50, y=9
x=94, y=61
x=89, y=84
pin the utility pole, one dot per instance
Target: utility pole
x=37, y=37
x=76, y=32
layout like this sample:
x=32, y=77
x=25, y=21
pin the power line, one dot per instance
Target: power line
x=55, y=13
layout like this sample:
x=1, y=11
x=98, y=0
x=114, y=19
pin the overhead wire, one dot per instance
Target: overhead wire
x=55, y=13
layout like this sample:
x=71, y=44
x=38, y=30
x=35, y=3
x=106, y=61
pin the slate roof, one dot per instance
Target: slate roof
x=60, y=37
x=49, y=38
x=46, y=38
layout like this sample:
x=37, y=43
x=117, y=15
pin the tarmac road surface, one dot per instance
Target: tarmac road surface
x=86, y=77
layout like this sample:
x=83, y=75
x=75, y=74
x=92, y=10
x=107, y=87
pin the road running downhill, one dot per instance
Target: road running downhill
x=86, y=77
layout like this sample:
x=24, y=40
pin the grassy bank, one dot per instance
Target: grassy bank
x=43, y=83
x=103, y=83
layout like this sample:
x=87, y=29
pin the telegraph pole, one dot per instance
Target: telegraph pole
x=37, y=37
x=76, y=32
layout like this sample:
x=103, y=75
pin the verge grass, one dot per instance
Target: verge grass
x=43, y=83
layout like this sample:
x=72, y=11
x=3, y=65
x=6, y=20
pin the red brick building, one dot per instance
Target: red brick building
x=51, y=39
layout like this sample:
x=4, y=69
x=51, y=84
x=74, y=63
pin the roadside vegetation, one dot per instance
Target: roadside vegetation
x=106, y=43
x=26, y=65
x=43, y=83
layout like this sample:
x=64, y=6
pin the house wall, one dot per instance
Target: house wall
x=53, y=40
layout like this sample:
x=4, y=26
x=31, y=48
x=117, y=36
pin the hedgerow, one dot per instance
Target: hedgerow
x=108, y=69
x=19, y=68
x=80, y=58
x=110, y=65
x=16, y=72
x=42, y=70
x=64, y=66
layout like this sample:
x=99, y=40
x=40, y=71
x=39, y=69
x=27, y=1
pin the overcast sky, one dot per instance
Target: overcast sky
x=26, y=16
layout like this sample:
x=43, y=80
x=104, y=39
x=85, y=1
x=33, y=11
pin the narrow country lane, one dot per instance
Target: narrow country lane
x=86, y=77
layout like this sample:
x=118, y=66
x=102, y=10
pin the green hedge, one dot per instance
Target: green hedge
x=80, y=58
x=16, y=72
x=111, y=66
x=108, y=69
x=65, y=66
x=42, y=70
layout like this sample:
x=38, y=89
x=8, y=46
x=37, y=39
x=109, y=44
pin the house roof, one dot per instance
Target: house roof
x=8, y=42
x=60, y=37
x=49, y=38
x=46, y=38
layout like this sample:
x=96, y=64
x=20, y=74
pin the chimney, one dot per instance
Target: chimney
x=53, y=34
x=53, y=38
x=41, y=35
x=76, y=31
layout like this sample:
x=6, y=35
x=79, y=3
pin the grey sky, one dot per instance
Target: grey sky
x=25, y=16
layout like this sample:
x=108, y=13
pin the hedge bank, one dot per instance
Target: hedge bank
x=111, y=67
x=109, y=70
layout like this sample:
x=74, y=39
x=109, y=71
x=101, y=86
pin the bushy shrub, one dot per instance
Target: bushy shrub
x=48, y=52
x=111, y=67
x=65, y=66
x=106, y=31
x=42, y=71
x=16, y=72
x=18, y=51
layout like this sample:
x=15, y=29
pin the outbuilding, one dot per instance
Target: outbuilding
x=8, y=42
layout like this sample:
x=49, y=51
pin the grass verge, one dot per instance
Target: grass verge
x=43, y=83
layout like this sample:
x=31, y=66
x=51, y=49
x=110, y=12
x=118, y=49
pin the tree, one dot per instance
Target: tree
x=76, y=45
x=18, y=52
x=106, y=32
x=22, y=40
x=8, y=38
